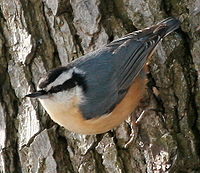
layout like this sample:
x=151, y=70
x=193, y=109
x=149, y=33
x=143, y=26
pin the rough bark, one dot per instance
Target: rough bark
x=36, y=36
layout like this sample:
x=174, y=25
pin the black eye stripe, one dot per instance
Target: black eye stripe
x=65, y=86
x=53, y=75
x=77, y=79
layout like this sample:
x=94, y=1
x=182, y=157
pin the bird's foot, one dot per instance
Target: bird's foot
x=135, y=126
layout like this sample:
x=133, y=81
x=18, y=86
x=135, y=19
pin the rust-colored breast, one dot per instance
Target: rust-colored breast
x=121, y=111
x=71, y=118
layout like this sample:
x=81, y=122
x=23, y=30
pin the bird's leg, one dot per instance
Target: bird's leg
x=135, y=125
x=135, y=128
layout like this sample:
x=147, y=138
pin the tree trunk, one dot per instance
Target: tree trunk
x=36, y=36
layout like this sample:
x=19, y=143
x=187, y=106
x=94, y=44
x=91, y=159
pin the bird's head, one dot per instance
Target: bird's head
x=60, y=84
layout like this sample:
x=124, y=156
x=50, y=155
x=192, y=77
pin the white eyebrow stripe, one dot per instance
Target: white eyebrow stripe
x=60, y=79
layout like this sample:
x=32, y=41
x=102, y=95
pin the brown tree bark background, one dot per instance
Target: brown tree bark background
x=37, y=35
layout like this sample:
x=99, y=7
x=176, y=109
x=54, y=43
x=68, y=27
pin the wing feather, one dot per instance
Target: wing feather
x=113, y=68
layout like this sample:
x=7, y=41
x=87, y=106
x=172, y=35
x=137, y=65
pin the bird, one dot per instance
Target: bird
x=98, y=91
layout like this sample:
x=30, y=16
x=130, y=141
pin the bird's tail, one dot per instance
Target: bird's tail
x=155, y=32
x=166, y=26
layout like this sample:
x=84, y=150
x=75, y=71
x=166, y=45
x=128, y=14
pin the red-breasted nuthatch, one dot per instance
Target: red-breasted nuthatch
x=98, y=91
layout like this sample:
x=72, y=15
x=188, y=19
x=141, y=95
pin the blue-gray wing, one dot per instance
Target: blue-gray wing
x=110, y=74
x=111, y=70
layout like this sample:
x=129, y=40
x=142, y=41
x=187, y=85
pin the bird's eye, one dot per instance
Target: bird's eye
x=55, y=89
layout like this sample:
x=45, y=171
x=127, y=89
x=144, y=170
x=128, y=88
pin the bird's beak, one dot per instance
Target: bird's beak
x=37, y=94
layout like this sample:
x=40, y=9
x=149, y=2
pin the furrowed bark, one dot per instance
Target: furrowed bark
x=36, y=36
